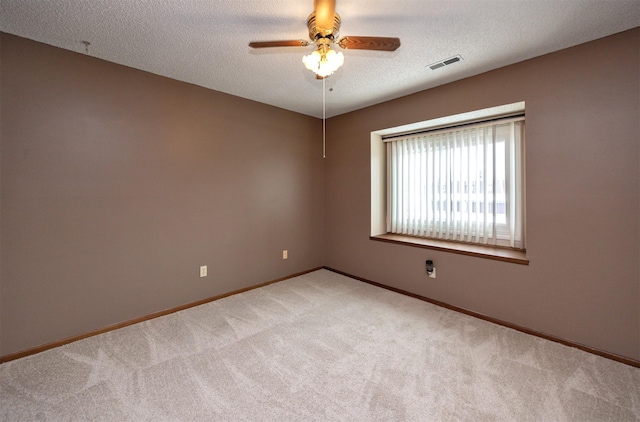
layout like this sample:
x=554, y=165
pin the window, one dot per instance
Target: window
x=456, y=179
x=462, y=184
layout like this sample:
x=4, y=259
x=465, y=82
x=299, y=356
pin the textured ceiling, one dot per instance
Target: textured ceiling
x=206, y=42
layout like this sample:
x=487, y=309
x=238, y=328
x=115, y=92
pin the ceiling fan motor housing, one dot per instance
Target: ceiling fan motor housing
x=316, y=33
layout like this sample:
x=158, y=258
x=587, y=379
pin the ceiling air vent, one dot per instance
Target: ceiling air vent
x=446, y=62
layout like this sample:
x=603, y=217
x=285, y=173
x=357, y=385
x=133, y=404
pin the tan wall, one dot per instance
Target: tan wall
x=118, y=184
x=583, y=198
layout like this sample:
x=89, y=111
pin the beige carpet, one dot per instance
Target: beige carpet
x=319, y=347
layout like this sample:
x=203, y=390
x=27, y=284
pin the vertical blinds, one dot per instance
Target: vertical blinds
x=463, y=184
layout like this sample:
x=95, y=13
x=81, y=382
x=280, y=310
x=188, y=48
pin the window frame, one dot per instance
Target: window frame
x=379, y=186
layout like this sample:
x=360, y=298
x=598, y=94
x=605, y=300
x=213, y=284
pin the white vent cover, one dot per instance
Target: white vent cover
x=447, y=62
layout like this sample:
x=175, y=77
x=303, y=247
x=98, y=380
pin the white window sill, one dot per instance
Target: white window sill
x=488, y=252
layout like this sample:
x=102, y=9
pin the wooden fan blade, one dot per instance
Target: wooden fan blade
x=325, y=13
x=284, y=43
x=370, y=43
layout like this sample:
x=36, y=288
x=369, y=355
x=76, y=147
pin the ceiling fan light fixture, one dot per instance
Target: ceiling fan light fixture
x=323, y=63
x=324, y=27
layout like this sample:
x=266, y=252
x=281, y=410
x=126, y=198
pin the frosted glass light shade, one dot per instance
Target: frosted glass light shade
x=323, y=65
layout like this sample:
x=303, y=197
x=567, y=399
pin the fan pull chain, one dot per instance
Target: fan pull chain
x=324, y=123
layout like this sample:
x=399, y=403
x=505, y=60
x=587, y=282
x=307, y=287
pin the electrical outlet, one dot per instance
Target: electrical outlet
x=432, y=274
x=203, y=271
x=285, y=254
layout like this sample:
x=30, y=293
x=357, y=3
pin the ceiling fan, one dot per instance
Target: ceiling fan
x=324, y=26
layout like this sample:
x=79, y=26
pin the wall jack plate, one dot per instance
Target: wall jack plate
x=431, y=270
